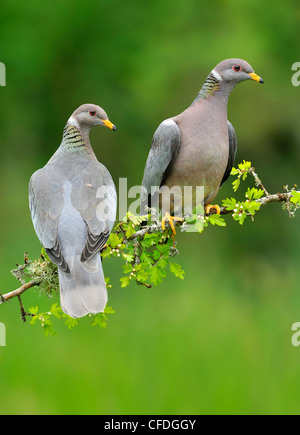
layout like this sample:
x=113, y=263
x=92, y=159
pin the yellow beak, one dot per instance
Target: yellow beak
x=256, y=77
x=109, y=124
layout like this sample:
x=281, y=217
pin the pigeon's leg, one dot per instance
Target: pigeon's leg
x=171, y=220
x=212, y=209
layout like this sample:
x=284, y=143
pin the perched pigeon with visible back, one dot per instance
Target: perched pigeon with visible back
x=73, y=204
x=197, y=147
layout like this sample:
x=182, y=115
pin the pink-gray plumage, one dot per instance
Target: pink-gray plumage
x=197, y=147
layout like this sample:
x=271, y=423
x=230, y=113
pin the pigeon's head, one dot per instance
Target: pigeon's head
x=90, y=115
x=235, y=71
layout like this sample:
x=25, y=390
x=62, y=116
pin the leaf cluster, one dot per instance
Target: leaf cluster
x=147, y=257
x=45, y=319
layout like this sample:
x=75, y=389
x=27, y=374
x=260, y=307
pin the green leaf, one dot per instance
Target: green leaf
x=254, y=193
x=127, y=268
x=33, y=310
x=130, y=230
x=295, y=199
x=245, y=166
x=70, y=322
x=125, y=281
x=191, y=219
x=199, y=210
x=150, y=240
x=164, y=249
x=177, y=270
x=114, y=240
x=216, y=219
x=157, y=275
x=240, y=217
x=234, y=171
x=128, y=257
x=145, y=258
x=142, y=276
x=156, y=254
x=48, y=328
x=136, y=220
x=230, y=204
x=34, y=320
x=107, y=252
x=109, y=310
x=56, y=311
x=253, y=207
x=200, y=224
x=162, y=263
x=236, y=183
x=100, y=320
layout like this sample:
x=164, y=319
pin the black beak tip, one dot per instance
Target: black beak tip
x=114, y=128
x=261, y=80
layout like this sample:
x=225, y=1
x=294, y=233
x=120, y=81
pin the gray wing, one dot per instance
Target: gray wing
x=46, y=204
x=232, y=151
x=163, y=152
x=95, y=198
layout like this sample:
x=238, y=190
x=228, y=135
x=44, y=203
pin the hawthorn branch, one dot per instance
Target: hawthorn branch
x=154, y=227
x=18, y=292
x=277, y=197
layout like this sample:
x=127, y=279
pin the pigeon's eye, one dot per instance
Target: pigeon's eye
x=92, y=112
x=237, y=68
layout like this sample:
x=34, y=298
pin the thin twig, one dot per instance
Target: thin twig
x=136, y=252
x=258, y=181
x=144, y=283
x=23, y=312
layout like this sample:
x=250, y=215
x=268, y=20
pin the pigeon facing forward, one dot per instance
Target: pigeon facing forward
x=197, y=147
x=73, y=205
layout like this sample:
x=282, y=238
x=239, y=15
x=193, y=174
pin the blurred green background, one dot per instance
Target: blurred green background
x=219, y=341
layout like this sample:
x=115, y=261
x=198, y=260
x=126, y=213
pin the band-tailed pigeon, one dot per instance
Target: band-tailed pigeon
x=73, y=205
x=197, y=147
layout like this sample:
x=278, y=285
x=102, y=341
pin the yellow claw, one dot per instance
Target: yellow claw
x=171, y=220
x=211, y=207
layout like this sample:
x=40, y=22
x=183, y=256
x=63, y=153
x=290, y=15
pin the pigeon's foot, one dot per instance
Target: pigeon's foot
x=212, y=209
x=171, y=220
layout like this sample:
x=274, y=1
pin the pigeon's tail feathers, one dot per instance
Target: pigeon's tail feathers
x=83, y=290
